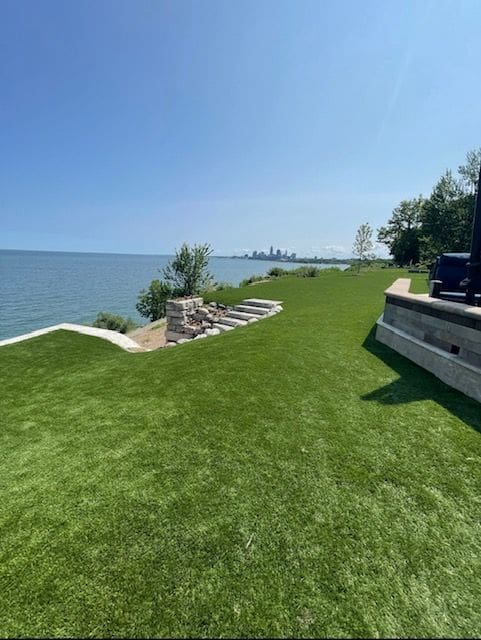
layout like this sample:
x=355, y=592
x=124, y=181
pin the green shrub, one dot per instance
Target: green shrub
x=251, y=280
x=329, y=270
x=351, y=269
x=307, y=272
x=151, y=303
x=105, y=320
x=221, y=286
x=277, y=272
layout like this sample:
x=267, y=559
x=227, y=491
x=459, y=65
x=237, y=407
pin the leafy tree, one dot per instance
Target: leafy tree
x=151, y=303
x=188, y=272
x=401, y=235
x=446, y=218
x=363, y=244
x=469, y=172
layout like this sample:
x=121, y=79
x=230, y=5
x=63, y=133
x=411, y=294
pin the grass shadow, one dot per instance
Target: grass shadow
x=415, y=383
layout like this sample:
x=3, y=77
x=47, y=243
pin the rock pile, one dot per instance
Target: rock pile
x=189, y=319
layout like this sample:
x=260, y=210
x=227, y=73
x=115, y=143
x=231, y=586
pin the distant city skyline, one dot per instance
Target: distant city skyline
x=279, y=254
x=319, y=251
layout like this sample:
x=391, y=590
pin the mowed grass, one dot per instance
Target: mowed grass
x=291, y=478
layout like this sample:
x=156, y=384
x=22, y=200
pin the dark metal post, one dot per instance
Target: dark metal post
x=472, y=282
x=435, y=288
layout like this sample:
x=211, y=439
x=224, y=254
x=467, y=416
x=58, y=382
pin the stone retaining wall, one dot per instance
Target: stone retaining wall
x=188, y=318
x=443, y=337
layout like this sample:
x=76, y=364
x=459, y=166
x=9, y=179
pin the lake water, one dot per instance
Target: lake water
x=41, y=288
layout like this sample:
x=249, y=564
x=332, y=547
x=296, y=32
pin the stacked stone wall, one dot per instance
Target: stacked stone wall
x=188, y=318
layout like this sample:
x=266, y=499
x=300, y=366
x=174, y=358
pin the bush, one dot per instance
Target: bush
x=221, y=286
x=277, y=272
x=105, y=320
x=151, y=303
x=328, y=270
x=307, y=272
x=251, y=280
x=351, y=269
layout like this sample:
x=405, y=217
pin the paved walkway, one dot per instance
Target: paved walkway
x=112, y=336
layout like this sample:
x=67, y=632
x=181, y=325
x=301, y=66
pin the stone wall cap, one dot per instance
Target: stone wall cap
x=260, y=301
x=400, y=290
x=184, y=299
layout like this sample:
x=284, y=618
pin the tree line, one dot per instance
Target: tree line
x=422, y=228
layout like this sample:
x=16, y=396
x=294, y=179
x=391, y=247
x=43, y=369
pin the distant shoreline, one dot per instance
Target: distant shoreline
x=293, y=261
x=170, y=255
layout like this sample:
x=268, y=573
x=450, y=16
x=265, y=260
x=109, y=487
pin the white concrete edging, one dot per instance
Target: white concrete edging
x=119, y=339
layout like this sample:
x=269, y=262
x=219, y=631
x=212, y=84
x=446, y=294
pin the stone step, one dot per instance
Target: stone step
x=222, y=327
x=232, y=322
x=258, y=311
x=242, y=315
x=258, y=302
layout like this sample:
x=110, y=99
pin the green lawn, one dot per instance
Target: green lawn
x=293, y=477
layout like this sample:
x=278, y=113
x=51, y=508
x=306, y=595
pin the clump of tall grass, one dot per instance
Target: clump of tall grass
x=277, y=272
x=252, y=280
x=105, y=320
x=314, y=272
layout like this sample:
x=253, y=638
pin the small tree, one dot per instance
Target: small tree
x=363, y=244
x=469, y=172
x=151, y=303
x=187, y=273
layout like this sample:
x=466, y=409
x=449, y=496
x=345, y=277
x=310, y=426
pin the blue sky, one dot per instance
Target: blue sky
x=135, y=126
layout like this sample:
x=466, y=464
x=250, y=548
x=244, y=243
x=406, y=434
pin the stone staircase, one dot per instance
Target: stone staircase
x=249, y=311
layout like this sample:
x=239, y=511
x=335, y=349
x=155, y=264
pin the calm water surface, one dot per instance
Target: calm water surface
x=41, y=288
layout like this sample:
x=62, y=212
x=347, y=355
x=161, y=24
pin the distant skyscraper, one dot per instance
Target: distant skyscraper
x=271, y=252
x=254, y=254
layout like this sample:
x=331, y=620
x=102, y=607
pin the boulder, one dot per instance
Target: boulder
x=212, y=332
x=190, y=330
